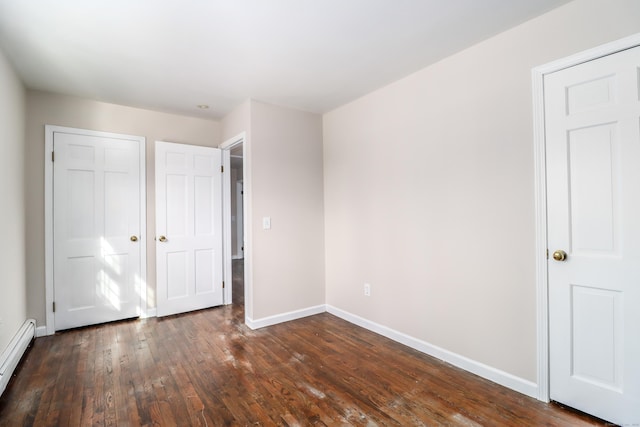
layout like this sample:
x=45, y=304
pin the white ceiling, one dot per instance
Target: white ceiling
x=171, y=55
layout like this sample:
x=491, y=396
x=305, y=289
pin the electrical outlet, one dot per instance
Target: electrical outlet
x=367, y=290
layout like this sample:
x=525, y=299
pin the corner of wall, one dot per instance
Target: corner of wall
x=13, y=305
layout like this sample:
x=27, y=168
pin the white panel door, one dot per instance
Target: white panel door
x=592, y=119
x=96, y=228
x=188, y=227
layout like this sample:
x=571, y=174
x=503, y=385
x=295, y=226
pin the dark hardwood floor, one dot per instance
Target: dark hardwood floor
x=207, y=368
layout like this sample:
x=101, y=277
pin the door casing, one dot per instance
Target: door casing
x=50, y=130
x=542, y=285
x=226, y=147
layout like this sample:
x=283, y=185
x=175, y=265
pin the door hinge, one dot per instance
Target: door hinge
x=547, y=253
x=222, y=169
x=53, y=156
x=54, y=306
x=223, y=284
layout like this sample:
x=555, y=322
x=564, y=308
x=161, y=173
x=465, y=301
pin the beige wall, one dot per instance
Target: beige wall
x=429, y=192
x=284, y=266
x=285, y=157
x=13, y=304
x=237, y=121
x=47, y=108
x=233, y=124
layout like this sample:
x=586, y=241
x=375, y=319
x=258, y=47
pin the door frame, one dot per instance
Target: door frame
x=539, y=143
x=50, y=130
x=226, y=147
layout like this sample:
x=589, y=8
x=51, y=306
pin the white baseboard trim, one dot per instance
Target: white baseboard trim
x=11, y=356
x=284, y=317
x=41, y=331
x=151, y=312
x=492, y=374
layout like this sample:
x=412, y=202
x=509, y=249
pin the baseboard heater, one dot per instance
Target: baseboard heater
x=11, y=356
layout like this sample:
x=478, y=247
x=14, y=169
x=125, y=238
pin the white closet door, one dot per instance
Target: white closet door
x=592, y=119
x=97, y=228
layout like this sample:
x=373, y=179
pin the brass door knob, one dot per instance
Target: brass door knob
x=560, y=255
x=162, y=239
x=133, y=238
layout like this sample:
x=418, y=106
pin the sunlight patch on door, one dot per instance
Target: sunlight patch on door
x=109, y=290
x=111, y=275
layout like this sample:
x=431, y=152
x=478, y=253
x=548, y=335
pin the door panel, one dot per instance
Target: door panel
x=203, y=209
x=593, y=169
x=177, y=275
x=189, y=216
x=204, y=271
x=597, y=340
x=96, y=209
x=592, y=120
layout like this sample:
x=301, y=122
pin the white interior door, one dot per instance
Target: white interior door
x=188, y=227
x=592, y=119
x=97, y=225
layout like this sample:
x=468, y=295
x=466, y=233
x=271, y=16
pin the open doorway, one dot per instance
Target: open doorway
x=237, y=259
x=237, y=223
x=237, y=203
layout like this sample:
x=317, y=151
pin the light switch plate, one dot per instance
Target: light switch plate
x=266, y=223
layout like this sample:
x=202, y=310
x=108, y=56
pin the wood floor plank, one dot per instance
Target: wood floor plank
x=207, y=368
